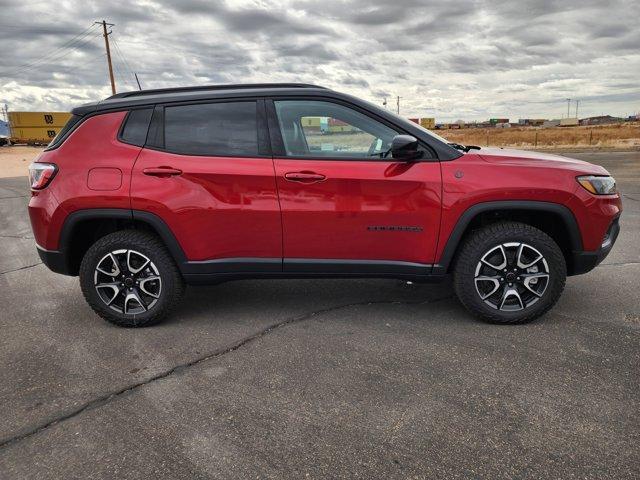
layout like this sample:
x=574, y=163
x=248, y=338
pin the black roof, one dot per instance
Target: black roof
x=201, y=92
x=212, y=88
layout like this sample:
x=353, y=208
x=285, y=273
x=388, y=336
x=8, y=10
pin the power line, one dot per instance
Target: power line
x=69, y=44
x=125, y=63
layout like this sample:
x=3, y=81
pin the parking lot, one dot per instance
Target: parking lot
x=320, y=378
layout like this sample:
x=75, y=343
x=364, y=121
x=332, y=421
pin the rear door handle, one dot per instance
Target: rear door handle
x=163, y=172
x=304, y=177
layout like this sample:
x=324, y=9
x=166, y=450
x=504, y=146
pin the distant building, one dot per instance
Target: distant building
x=531, y=122
x=495, y=121
x=551, y=123
x=600, y=120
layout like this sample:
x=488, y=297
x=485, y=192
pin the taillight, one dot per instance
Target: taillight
x=41, y=174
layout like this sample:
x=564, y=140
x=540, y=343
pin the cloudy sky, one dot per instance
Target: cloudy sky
x=470, y=59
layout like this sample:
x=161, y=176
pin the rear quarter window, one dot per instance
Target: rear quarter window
x=136, y=125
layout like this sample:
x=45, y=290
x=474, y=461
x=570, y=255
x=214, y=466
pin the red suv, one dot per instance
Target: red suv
x=147, y=191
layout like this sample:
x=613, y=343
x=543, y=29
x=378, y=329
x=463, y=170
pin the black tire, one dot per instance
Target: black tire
x=479, y=244
x=169, y=288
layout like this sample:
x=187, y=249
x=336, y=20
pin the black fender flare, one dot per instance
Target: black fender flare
x=134, y=216
x=575, y=237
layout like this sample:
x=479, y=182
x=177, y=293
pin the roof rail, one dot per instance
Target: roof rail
x=212, y=87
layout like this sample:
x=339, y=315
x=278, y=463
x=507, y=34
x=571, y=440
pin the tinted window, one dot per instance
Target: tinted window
x=227, y=129
x=72, y=122
x=313, y=128
x=135, y=130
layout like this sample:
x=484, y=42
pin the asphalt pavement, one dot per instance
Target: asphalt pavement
x=320, y=378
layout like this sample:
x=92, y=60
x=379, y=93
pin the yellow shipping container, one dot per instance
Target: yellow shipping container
x=34, y=135
x=310, y=121
x=429, y=123
x=38, y=119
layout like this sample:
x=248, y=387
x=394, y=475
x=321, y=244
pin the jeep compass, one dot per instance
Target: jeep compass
x=145, y=192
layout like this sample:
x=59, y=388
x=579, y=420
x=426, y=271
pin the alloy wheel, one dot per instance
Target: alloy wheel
x=511, y=276
x=127, y=281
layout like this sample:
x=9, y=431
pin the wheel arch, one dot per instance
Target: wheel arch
x=82, y=228
x=554, y=219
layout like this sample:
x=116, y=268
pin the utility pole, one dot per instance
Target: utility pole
x=398, y=103
x=577, y=102
x=106, y=43
x=139, y=87
x=568, y=104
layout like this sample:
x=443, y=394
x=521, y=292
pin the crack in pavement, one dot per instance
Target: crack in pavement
x=21, y=268
x=104, y=399
x=617, y=264
x=17, y=196
x=17, y=236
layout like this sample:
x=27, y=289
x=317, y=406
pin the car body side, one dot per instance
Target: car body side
x=96, y=171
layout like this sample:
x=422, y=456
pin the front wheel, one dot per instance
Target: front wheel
x=129, y=279
x=509, y=273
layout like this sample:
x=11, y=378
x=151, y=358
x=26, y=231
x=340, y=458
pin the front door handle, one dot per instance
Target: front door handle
x=304, y=177
x=163, y=172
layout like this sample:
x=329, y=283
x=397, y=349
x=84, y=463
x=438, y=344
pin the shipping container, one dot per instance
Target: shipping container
x=38, y=119
x=310, y=121
x=336, y=122
x=34, y=135
x=429, y=123
x=568, y=122
x=36, y=127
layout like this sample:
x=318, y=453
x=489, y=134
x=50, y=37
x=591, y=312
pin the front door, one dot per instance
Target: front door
x=346, y=207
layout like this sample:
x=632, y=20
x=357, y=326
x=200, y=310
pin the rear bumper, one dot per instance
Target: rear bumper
x=55, y=260
x=583, y=262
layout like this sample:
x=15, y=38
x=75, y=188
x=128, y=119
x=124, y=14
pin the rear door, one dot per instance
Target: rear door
x=207, y=172
x=345, y=206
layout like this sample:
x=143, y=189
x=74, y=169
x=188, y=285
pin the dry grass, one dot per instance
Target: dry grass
x=598, y=136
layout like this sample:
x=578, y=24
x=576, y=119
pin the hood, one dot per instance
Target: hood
x=508, y=156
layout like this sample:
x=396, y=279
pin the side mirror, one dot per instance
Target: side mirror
x=405, y=147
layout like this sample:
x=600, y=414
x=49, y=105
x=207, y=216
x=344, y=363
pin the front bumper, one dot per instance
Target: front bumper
x=583, y=262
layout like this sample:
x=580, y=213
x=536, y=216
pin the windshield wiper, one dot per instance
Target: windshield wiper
x=464, y=148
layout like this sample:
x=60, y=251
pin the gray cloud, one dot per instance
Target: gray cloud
x=462, y=59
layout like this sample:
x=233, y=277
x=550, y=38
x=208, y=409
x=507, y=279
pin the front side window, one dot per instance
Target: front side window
x=312, y=128
x=212, y=129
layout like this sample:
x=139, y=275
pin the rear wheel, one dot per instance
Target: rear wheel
x=509, y=273
x=129, y=279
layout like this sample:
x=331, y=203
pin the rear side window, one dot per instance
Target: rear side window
x=136, y=127
x=213, y=129
x=57, y=141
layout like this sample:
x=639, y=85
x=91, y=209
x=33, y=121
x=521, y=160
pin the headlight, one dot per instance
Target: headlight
x=598, y=185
